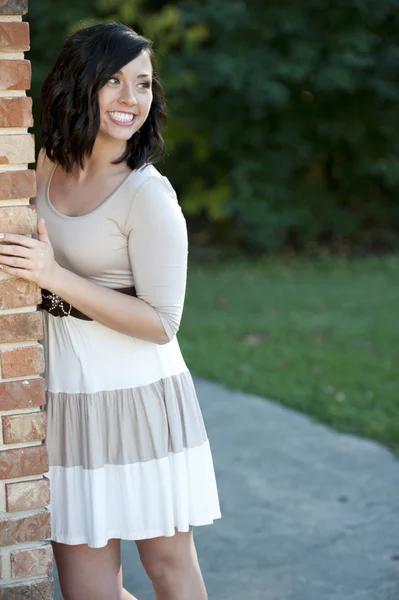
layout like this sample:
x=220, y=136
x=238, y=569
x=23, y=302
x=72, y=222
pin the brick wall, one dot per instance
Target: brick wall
x=25, y=555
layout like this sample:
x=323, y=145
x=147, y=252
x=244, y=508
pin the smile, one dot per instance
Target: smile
x=122, y=118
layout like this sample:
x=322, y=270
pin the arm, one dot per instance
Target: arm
x=158, y=247
x=157, y=242
x=126, y=314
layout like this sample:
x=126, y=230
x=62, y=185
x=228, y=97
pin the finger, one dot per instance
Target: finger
x=14, y=261
x=23, y=273
x=21, y=240
x=42, y=230
x=8, y=249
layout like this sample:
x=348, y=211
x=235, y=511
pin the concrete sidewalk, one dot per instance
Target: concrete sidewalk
x=308, y=514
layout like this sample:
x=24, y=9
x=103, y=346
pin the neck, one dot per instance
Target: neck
x=104, y=152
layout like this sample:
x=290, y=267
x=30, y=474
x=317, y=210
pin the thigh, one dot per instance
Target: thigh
x=89, y=573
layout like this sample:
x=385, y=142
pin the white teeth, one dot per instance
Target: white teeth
x=123, y=117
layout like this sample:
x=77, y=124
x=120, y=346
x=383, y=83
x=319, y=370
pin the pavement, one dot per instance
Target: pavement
x=308, y=513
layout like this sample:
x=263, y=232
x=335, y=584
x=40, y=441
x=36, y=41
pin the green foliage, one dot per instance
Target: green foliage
x=298, y=104
x=49, y=27
x=283, y=122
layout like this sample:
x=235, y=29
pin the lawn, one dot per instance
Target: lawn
x=320, y=336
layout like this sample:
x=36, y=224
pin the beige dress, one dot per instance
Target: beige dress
x=128, y=451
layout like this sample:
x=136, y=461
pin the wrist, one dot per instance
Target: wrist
x=55, y=284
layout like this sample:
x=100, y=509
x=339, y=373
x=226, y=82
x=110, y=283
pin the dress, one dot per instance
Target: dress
x=128, y=452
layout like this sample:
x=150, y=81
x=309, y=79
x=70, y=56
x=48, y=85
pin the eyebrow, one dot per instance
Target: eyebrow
x=141, y=76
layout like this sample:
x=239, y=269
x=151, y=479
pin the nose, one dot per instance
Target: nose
x=128, y=96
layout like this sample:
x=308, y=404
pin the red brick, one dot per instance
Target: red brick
x=26, y=495
x=13, y=7
x=18, y=219
x=15, y=74
x=31, y=562
x=16, y=293
x=20, y=362
x=21, y=327
x=29, y=393
x=38, y=590
x=17, y=149
x=16, y=112
x=19, y=462
x=17, y=184
x=14, y=37
x=24, y=428
x=20, y=530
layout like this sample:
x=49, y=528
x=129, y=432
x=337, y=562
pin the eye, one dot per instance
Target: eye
x=145, y=84
x=113, y=80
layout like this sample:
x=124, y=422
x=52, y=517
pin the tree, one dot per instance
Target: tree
x=283, y=122
x=293, y=113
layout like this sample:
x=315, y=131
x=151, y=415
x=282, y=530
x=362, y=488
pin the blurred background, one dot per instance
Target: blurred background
x=283, y=140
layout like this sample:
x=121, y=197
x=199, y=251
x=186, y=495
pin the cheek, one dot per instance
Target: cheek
x=146, y=105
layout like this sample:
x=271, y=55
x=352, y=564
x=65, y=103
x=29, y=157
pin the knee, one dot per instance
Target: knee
x=163, y=570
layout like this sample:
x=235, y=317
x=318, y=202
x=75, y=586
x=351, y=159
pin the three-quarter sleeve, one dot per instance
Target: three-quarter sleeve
x=158, y=249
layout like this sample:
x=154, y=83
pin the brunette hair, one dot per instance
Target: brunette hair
x=70, y=117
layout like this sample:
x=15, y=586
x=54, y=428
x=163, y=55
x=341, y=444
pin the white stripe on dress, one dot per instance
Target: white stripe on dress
x=134, y=502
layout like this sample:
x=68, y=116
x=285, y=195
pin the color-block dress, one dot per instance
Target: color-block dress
x=128, y=451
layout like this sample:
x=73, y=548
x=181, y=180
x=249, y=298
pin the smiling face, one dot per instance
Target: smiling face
x=125, y=100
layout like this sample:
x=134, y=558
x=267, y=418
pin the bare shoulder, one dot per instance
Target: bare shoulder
x=43, y=163
x=41, y=159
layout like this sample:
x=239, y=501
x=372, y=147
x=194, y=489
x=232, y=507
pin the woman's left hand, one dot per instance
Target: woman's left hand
x=31, y=259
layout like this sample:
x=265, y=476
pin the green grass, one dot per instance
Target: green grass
x=320, y=336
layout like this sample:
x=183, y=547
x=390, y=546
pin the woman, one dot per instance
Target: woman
x=128, y=451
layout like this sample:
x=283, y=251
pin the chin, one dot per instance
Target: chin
x=120, y=136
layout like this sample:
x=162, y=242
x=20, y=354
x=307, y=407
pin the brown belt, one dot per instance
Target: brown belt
x=58, y=307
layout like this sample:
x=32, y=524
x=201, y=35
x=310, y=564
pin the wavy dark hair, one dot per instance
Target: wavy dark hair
x=70, y=116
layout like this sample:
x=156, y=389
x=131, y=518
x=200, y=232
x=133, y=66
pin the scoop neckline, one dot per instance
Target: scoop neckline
x=76, y=217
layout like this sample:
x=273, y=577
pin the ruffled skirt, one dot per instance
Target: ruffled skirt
x=128, y=451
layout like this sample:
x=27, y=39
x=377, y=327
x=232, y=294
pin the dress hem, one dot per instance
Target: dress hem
x=128, y=536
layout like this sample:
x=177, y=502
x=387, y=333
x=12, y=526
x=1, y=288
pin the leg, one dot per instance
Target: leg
x=90, y=573
x=172, y=565
x=125, y=595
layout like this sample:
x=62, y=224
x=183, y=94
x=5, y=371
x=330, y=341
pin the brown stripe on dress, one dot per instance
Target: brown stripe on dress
x=121, y=427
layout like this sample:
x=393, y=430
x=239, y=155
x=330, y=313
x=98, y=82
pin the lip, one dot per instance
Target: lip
x=122, y=123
